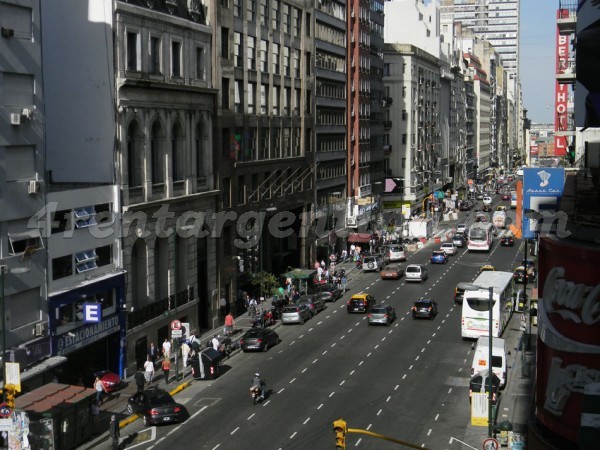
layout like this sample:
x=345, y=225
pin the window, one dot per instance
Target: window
x=275, y=21
x=241, y=190
x=286, y=60
x=200, y=71
x=176, y=59
x=404, y=115
x=200, y=143
x=297, y=63
x=60, y=221
x=307, y=23
x=84, y=217
x=251, y=5
x=404, y=138
x=263, y=12
x=85, y=261
x=239, y=96
x=224, y=43
x=25, y=243
x=264, y=99
x=237, y=8
x=286, y=18
x=237, y=50
x=226, y=192
x=287, y=97
x=62, y=267
x=308, y=62
x=225, y=93
x=298, y=22
x=154, y=61
x=264, y=52
x=276, y=91
x=133, y=51
x=308, y=97
x=297, y=101
x=275, y=59
x=251, y=98
x=251, y=44
x=156, y=159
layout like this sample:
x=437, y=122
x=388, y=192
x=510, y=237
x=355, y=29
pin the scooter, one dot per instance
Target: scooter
x=256, y=395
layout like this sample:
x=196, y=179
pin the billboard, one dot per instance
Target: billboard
x=542, y=189
x=561, y=91
x=587, y=86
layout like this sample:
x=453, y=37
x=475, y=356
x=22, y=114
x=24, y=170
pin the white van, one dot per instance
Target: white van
x=481, y=356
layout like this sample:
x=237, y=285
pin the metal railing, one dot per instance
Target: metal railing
x=159, y=307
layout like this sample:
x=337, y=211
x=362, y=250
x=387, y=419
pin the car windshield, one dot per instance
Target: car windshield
x=160, y=399
x=477, y=233
x=438, y=253
x=378, y=310
x=423, y=304
x=253, y=333
x=395, y=249
x=413, y=269
x=291, y=309
x=480, y=304
x=369, y=259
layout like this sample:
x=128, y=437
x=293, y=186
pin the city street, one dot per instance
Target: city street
x=408, y=381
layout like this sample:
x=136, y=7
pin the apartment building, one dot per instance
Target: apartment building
x=165, y=120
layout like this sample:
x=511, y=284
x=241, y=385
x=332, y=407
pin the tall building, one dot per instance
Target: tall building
x=165, y=119
x=264, y=128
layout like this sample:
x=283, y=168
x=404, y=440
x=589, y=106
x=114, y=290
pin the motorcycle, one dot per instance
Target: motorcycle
x=255, y=393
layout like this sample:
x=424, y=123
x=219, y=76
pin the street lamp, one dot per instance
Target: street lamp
x=474, y=287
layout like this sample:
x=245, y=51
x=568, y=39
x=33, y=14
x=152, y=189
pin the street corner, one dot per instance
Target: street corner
x=128, y=420
x=181, y=387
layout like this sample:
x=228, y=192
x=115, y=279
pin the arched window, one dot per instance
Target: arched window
x=178, y=158
x=157, y=153
x=135, y=157
x=139, y=278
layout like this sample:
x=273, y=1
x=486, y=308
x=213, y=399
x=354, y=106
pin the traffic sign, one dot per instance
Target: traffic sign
x=491, y=444
x=176, y=333
x=176, y=325
x=5, y=411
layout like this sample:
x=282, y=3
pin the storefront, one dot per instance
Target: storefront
x=87, y=324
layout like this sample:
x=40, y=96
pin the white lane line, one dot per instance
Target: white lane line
x=436, y=417
x=292, y=343
x=439, y=326
x=310, y=329
x=449, y=390
x=358, y=442
x=417, y=358
x=306, y=421
x=250, y=416
x=315, y=360
x=377, y=346
x=320, y=322
x=388, y=297
x=369, y=354
x=444, y=320
x=343, y=381
x=198, y=412
x=352, y=371
x=383, y=339
x=397, y=386
x=379, y=412
x=423, y=350
x=410, y=368
x=335, y=310
x=388, y=399
x=333, y=345
x=304, y=370
x=360, y=363
x=301, y=336
x=429, y=342
x=403, y=377
x=292, y=380
x=214, y=448
x=324, y=352
x=433, y=335
x=293, y=434
x=357, y=324
x=343, y=336
x=320, y=406
x=331, y=395
x=390, y=332
x=429, y=432
x=233, y=432
x=266, y=403
x=369, y=426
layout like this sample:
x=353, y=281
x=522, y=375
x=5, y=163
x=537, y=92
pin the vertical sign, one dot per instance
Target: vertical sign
x=542, y=189
x=13, y=375
x=561, y=90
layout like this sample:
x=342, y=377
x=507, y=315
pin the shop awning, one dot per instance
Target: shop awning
x=360, y=238
x=302, y=274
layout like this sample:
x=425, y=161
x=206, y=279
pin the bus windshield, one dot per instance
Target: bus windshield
x=480, y=304
x=478, y=233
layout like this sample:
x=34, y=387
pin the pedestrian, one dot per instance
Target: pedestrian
x=229, y=324
x=344, y=281
x=166, y=367
x=99, y=390
x=139, y=380
x=115, y=432
x=223, y=306
x=148, y=370
x=353, y=251
x=185, y=352
x=153, y=353
x=322, y=263
x=166, y=348
x=344, y=255
x=215, y=342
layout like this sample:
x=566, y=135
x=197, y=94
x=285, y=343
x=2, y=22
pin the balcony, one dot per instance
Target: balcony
x=387, y=149
x=387, y=102
x=159, y=308
x=567, y=16
x=387, y=124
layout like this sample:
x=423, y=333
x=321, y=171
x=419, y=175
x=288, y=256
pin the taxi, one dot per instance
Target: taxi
x=487, y=268
x=360, y=303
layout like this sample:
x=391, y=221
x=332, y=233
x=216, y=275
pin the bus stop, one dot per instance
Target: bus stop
x=302, y=279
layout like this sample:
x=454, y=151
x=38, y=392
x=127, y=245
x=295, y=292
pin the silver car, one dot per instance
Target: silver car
x=381, y=314
x=295, y=314
x=416, y=272
x=314, y=303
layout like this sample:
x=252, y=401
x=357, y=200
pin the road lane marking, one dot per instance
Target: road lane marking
x=369, y=354
x=369, y=426
x=293, y=434
x=315, y=360
x=216, y=447
x=388, y=399
x=333, y=345
x=324, y=352
x=352, y=371
x=266, y=403
x=360, y=363
x=397, y=386
x=429, y=342
x=436, y=417
x=292, y=343
x=358, y=442
x=423, y=350
x=379, y=412
x=343, y=381
x=417, y=358
x=410, y=368
x=449, y=390
x=320, y=406
x=250, y=416
x=280, y=390
x=292, y=380
x=301, y=336
x=319, y=323
x=306, y=421
x=310, y=329
x=343, y=336
x=375, y=348
x=403, y=377
x=331, y=395
x=429, y=432
x=390, y=332
x=383, y=339
x=304, y=370
x=233, y=432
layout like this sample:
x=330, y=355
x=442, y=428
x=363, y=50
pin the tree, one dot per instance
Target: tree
x=268, y=281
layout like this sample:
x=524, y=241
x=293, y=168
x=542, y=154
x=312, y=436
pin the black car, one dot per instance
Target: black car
x=360, y=303
x=156, y=406
x=507, y=241
x=260, y=339
x=424, y=308
x=480, y=382
x=465, y=205
x=459, y=240
x=328, y=292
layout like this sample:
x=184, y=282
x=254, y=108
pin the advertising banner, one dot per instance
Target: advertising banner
x=563, y=65
x=587, y=85
x=542, y=189
x=568, y=347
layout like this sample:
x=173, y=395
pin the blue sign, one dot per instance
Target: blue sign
x=92, y=312
x=542, y=189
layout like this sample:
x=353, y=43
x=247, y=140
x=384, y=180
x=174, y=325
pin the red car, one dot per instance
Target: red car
x=505, y=196
x=507, y=241
x=110, y=381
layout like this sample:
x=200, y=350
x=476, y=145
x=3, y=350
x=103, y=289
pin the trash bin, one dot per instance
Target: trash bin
x=504, y=428
x=211, y=361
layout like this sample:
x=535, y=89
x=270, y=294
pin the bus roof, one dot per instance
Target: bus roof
x=496, y=279
x=483, y=225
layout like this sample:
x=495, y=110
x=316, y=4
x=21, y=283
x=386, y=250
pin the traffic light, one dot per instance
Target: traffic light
x=571, y=154
x=340, y=428
x=9, y=392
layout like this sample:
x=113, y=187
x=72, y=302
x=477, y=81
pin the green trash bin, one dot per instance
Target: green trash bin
x=505, y=428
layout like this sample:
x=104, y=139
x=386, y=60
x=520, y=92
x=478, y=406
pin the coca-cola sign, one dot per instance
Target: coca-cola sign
x=569, y=332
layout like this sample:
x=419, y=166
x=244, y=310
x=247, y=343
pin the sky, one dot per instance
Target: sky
x=537, y=61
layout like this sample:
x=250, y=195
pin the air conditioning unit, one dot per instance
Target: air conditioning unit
x=33, y=187
x=351, y=221
x=40, y=329
x=15, y=119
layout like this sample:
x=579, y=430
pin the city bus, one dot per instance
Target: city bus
x=480, y=237
x=476, y=305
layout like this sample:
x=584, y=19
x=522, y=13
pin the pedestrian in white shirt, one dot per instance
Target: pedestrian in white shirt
x=149, y=370
x=216, y=343
x=166, y=348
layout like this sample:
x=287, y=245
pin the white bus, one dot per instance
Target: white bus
x=480, y=237
x=476, y=305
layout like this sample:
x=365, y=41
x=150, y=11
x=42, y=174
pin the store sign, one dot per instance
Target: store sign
x=80, y=337
x=92, y=312
x=569, y=333
x=542, y=190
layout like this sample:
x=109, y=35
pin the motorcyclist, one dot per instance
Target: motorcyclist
x=257, y=382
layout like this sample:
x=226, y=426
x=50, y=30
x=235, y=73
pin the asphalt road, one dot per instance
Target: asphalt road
x=408, y=381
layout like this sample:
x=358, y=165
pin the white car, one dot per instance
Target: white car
x=449, y=248
x=487, y=200
x=461, y=228
x=396, y=253
x=372, y=263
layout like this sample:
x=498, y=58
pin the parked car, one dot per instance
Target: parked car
x=392, y=272
x=523, y=276
x=501, y=208
x=507, y=241
x=328, y=292
x=416, y=272
x=480, y=383
x=260, y=339
x=439, y=257
x=459, y=240
x=156, y=406
x=449, y=248
x=396, y=253
x=461, y=228
x=424, y=308
x=313, y=303
x=381, y=314
x=372, y=263
x=295, y=314
x=110, y=380
x=360, y=303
